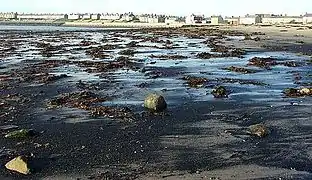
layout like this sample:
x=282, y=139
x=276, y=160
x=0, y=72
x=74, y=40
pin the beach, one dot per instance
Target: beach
x=82, y=91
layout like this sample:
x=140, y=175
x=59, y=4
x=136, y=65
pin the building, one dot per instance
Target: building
x=194, y=19
x=143, y=18
x=216, y=20
x=86, y=16
x=127, y=17
x=74, y=16
x=280, y=19
x=8, y=15
x=250, y=19
x=170, y=19
x=41, y=16
x=95, y=16
x=112, y=16
x=232, y=20
x=307, y=18
x=152, y=18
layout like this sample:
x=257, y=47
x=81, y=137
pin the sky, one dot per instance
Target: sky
x=172, y=7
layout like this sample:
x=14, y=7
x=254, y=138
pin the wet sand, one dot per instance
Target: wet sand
x=197, y=137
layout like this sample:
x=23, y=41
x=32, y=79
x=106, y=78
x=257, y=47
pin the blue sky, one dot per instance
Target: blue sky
x=177, y=7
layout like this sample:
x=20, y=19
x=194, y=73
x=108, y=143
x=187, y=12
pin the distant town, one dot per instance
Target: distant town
x=266, y=19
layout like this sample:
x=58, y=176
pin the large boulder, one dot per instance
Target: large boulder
x=18, y=164
x=155, y=102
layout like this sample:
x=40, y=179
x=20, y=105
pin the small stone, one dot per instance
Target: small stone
x=19, y=165
x=259, y=130
x=23, y=133
x=155, y=102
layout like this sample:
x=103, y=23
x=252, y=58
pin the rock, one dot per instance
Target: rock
x=155, y=102
x=220, y=92
x=305, y=91
x=23, y=133
x=292, y=92
x=18, y=165
x=259, y=130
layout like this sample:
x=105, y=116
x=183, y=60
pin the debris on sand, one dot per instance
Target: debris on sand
x=165, y=57
x=241, y=81
x=204, y=55
x=82, y=100
x=97, y=52
x=240, y=70
x=230, y=53
x=47, y=49
x=292, y=92
x=259, y=130
x=195, y=82
x=19, y=164
x=291, y=64
x=220, y=92
x=237, y=52
x=127, y=52
x=133, y=44
x=100, y=67
x=90, y=102
x=219, y=48
x=155, y=102
x=111, y=112
x=262, y=62
x=20, y=134
x=87, y=43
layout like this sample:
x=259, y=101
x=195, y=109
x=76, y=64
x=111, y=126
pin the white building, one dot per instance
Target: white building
x=95, y=16
x=216, y=20
x=194, y=19
x=232, y=20
x=109, y=16
x=170, y=19
x=249, y=20
x=74, y=16
x=86, y=16
x=151, y=18
x=8, y=15
x=307, y=18
x=127, y=17
x=279, y=19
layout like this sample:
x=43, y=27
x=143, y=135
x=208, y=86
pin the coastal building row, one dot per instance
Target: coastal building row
x=250, y=19
x=268, y=19
x=145, y=18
